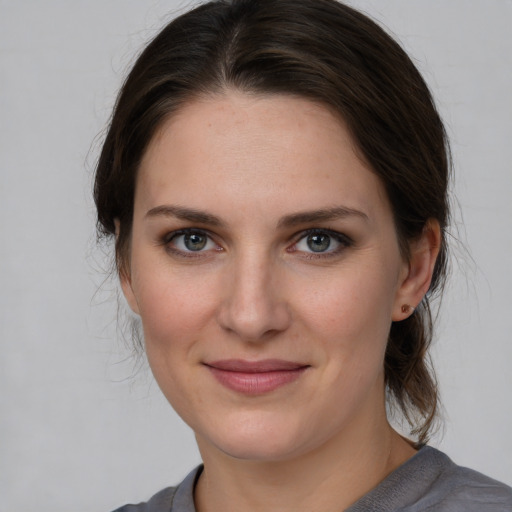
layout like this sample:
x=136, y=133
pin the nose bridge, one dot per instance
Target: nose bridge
x=254, y=306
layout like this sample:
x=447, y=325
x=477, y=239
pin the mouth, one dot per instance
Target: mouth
x=255, y=377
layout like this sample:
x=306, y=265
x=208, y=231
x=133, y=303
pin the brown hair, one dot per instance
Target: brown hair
x=330, y=53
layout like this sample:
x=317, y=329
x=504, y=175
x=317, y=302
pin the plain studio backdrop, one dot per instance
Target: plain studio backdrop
x=80, y=429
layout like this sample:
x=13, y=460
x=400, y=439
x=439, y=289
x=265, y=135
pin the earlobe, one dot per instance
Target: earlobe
x=125, y=278
x=418, y=276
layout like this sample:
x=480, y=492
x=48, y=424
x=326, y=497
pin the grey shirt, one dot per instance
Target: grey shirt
x=428, y=481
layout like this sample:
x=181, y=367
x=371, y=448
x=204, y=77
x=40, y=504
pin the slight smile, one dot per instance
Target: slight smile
x=255, y=377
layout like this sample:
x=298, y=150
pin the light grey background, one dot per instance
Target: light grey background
x=77, y=431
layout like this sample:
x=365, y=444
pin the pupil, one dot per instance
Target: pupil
x=319, y=243
x=195, y=242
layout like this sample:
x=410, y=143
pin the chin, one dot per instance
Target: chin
x=259, y=449
x=260, y=440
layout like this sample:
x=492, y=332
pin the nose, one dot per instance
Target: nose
x=254, y=306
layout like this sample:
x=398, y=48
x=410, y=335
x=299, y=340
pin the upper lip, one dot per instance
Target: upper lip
x=262, y=366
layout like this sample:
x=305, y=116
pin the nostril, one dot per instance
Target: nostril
x=253, y=307
x=254, y=322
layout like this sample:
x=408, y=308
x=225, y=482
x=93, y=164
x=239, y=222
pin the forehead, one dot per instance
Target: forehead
x=253, y=151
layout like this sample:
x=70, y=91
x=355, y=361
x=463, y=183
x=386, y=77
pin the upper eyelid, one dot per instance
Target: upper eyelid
x=327, y=231
x=344, y=242
x=296, y=237
x=170, y=235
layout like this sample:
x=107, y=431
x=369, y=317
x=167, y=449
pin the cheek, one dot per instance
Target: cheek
x=350, y=319
x=175, y=315
x=173, y=306
x=344, y=303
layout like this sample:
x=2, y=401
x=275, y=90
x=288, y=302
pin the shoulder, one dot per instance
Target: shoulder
x=160, y=502
x=170, y=499
x=431, y=482
x=459, y=488
x=448, y=487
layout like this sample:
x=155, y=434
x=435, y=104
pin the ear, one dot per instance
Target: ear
x=125, y=279
x=417, y=275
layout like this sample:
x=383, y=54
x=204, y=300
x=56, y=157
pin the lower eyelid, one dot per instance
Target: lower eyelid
x=169, y=243
x=341, y=240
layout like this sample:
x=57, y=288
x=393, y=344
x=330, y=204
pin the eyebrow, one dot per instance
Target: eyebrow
x=182, y=213
x=327, y=214
x=294, y=219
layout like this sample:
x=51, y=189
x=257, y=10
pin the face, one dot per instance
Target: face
x=266, y=270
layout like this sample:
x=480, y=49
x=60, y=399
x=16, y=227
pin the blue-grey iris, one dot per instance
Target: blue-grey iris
x=318, y=242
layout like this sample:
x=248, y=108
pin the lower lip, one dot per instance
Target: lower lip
x=256, y=383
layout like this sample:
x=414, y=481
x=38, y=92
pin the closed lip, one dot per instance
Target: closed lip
x=255, y=377
x=262, y=366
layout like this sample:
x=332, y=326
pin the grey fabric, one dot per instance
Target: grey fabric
x=427, y=482
x=431, y=482
x=170, y=499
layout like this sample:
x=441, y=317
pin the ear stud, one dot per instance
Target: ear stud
x=406, y=308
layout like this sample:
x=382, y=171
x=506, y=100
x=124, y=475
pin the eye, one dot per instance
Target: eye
x=190, y=241
x=321, y=242
x=317, y=242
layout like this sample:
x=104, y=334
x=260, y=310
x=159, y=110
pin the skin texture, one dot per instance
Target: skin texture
x=257, y=291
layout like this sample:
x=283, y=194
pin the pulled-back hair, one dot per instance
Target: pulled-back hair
x=329, y=53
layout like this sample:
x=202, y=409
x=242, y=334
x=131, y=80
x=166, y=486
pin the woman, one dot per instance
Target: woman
x=275, y=175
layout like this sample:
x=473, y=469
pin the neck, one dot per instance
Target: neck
x=328, y=478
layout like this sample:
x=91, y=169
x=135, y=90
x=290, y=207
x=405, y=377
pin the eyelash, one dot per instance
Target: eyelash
x=343, y=240
x=170, y=237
